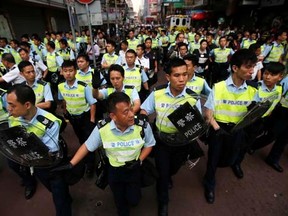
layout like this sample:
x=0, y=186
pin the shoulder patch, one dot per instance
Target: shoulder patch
x=41, y=82
x=103, y=122
x=81, y=83
x=45, y=121
x=161, y=87
x=140, y=121
x=252, y=83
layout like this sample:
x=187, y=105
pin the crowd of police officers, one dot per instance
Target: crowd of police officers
x=108, y=104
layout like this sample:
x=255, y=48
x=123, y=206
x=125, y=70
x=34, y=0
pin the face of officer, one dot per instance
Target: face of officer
x=130, y=58
x=116, y=80
x=244, y=72
x=131, y=34
x=123, y=115
x=15, y=108
x=271, y=79
x=28, y=73
x=69, y=74
x=24, y=56
x=110, y=48
x=178, y=79
x=190, y=68
x=223, y=42
x=82, y=64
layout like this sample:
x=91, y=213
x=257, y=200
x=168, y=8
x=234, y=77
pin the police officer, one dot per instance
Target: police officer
x=21, y=100
x=41, y=89
x=246, y=42
x=54, y=62
x=40, y=47
x=109, y=58
x=226, y=105
x=32, y=53
x=65, y=51
x=13, y=75
x=220, y=57
x=15, y=49
x=132, y=41
x=195, y=83
x=79, y=107
x=116, y=75
x=153, y=62
x=169, y=158
x=127, y=142
x=40, y=68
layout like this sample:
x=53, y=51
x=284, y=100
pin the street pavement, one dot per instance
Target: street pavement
x=262, y=191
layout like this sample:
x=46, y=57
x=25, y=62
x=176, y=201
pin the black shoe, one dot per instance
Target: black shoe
x=209, y=195
x=275, y=165
x=170, y=183
x=29, y=192
x=237, y=171
x=163, y=210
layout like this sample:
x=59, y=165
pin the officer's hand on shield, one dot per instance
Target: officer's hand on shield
x=96, y=80
x=64, y=167
x=131, y=165
x=221, y=132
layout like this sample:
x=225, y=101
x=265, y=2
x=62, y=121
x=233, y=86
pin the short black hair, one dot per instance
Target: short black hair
x=25, y=44
x=26, y=36
x=8, y=57
x=22, y=49
x=116, y=67
x=84, y=56
x=202, y=41
x=51, y=44
x=193, y=58
x=24, y=64
x=113, y=43
x=4, y=39
x=115, y=98
x=69, y=63
x=243, y=56
x=254, y=47
x=24, y=93
x=175, y=62
x=131, y=51
x=142, y=46
x=15, y=42
x=148, y=39
x=182, y=44
x=275, y=68
x=124, y=42
x=63, y=41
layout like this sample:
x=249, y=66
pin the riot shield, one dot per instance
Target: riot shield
x=258, y=110
x=25, y=148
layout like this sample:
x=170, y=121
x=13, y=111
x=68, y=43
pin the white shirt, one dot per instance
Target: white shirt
x=39, y=68
x=13, y=76
x=90, y=51
x=257, y=67
x=143, y=61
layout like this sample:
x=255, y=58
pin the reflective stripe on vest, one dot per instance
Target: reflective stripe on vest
x=221, y=55
x=276, y=96
x=231, y=107
x=51, y=62
x=133, y=78
x=284, y=100
x=165, y=105
x=75, y=99
x=196, y=85
x=275, y=53
x=120, y=149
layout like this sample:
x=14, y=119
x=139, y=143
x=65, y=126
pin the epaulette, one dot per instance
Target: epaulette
x=45, y=121
x=81, y=83
x=129, y=87
x=252, y=84
x=140, y=121
x=41, y=82
x=103, y=122
x=2, y=92
x=161, y=87
x=191, y=92
x=34, y=53
x=124, y=64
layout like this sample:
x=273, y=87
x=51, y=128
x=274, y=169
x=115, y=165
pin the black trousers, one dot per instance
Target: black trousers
x=168, y=161
x=222, y=152
x=126, y=187
x=55, y=184
x=83, y=127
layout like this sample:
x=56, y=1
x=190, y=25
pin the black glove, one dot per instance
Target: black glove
x=221, y=132
x=64, y=167
x=144, y=117
x=131, y=165
x=96, y=81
